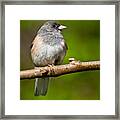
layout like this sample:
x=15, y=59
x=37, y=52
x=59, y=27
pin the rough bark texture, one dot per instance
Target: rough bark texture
x=54, y=71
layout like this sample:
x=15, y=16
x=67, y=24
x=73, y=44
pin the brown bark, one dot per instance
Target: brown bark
x=54, y=71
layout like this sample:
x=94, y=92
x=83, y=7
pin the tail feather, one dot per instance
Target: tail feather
x=41, y=86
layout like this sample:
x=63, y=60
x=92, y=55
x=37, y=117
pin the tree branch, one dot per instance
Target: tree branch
x=54, y=71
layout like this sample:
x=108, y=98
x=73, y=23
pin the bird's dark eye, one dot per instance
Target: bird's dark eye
x=55, y=25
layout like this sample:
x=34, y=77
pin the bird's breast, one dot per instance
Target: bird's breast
x=46, y=54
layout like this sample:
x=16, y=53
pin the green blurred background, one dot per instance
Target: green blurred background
x=83, y=40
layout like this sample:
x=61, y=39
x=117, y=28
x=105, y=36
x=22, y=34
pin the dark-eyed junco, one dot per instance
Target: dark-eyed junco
x=48, y=48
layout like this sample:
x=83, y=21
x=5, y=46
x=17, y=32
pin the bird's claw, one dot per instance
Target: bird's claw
x=51, y=68
x=50, y=65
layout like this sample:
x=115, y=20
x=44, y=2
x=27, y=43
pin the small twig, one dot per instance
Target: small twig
x=54, y=71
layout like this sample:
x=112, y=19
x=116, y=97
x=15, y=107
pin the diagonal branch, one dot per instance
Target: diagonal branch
x=54, y=71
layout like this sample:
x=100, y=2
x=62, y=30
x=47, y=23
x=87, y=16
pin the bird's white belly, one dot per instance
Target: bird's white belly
x=47, y=54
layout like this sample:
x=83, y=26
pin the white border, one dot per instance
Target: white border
x=104, y=13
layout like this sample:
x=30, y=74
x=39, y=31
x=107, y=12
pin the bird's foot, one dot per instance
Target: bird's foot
x=36, y=70
x=50, y=65
x=51, y=68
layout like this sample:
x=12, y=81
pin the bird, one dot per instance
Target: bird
x=47, y=48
